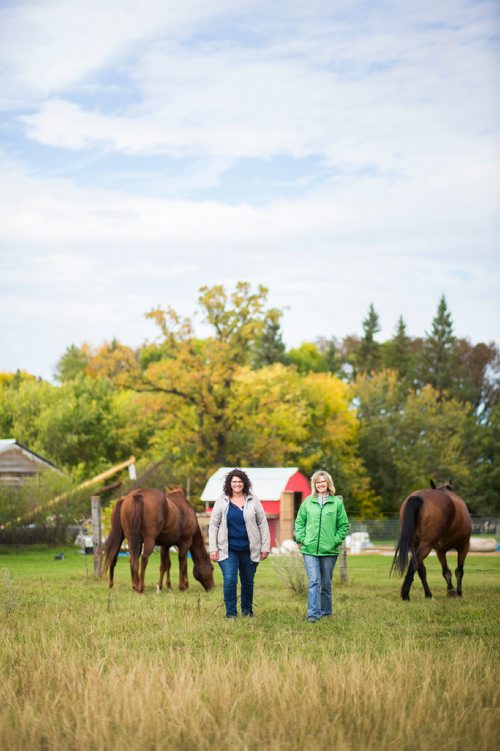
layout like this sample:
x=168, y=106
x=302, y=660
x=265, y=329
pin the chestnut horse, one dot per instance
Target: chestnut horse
x=433, y=518
x=148, y=517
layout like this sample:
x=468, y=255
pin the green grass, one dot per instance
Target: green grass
x=86, y=668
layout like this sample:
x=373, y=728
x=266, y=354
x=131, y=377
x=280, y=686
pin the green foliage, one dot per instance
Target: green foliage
x=383, y=417
x=307, y=358
x=405, y=438
x=397, y=352
x=269, y=348
x=73, y=363
x=483, y=486
x=437, y=364
x=368, y=356
x=33, y=494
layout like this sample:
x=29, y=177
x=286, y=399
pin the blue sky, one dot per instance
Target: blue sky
x=341, y=153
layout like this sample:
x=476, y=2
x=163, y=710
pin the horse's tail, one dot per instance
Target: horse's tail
x=405, y=542
x=115, y=537
x=135, y=540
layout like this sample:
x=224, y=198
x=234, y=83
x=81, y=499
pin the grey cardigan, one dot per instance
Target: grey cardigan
x=255, y=523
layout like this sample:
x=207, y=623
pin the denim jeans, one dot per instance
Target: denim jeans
x=238, y=561
x=319, y=570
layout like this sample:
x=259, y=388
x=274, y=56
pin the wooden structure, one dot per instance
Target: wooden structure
x=18, y=463
x=280, y=489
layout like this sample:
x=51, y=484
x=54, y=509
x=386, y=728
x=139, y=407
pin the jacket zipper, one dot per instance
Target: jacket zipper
x=319, y=531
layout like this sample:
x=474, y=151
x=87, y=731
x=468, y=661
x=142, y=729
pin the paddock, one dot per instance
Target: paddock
x=87, y=667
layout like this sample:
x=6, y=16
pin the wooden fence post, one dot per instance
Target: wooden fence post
x=343, y=563
x=97, y=534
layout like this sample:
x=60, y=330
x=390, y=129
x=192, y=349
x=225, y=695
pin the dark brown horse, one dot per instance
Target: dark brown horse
x=433, y=518
x=148, y=517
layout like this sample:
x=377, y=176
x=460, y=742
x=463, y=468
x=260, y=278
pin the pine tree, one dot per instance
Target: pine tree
x=270, y=347
x=398, y=351
x=368, y=355
x=438, y=353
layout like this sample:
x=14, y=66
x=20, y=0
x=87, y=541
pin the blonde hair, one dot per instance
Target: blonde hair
x=328, y=478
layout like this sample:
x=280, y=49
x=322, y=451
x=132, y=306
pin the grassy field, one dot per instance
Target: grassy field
x=83, y=668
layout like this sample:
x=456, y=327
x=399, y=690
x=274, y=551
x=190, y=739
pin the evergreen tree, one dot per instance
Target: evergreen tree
x=368, y=355
x=438, y=353
x=73, y=363
x=270, y=347
x=397, y=354
x=328, y=348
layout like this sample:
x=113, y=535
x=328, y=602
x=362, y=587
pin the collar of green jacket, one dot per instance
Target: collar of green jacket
x=328, y=499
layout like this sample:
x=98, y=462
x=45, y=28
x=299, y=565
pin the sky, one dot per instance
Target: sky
x=340, y=153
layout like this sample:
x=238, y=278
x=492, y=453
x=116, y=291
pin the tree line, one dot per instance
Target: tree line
x=383, y=416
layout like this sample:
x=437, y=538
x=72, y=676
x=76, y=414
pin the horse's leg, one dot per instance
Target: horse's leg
x=421, y=553
x=169, y=564
x=134, y=571
x=459, y=571
x=112, y=571
x=416, y=564
x=183, y=567
x=423, y=578
x=164, y=567
x=446, y=571
x=149, y=544
x=408, y=580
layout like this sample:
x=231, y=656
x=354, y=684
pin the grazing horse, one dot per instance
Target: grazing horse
x=433, y=518
x=148, y=517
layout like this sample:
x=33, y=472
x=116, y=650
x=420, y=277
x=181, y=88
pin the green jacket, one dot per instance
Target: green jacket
x=320, y=530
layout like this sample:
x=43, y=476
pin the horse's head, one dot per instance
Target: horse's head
x=203, y=573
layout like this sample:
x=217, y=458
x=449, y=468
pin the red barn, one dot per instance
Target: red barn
x=280, y=489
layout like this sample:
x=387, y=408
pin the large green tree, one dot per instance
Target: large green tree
x=397, y=352
x=438, y=359
x=408, y=437
x=199, y=374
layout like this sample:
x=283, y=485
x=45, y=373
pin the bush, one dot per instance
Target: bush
x=290, y=569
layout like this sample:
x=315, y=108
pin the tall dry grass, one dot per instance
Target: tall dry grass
x=85, y=670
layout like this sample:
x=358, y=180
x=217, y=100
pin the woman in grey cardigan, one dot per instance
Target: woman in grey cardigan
x=238, y=539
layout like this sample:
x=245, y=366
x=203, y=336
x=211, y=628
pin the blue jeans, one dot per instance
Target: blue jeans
x=238, y=561
x=319, y=570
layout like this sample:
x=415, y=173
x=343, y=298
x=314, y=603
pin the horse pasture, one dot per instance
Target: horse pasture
x=88, y=668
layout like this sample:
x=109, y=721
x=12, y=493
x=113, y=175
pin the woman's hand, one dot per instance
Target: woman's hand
x=263, y=555
x=214, y=556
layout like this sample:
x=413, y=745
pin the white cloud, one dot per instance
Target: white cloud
x=48, y=46
x=394, y=104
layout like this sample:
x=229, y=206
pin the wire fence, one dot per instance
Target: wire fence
x=379, y=530
x=388, y=528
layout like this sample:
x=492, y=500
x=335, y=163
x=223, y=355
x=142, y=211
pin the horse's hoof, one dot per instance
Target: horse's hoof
x=158, y=590
x=405, y=598
x=452, y=593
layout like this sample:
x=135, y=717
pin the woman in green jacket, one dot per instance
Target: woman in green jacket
x=320, y=528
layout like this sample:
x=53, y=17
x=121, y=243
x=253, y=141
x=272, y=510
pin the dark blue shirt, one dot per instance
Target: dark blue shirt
x=236, y=529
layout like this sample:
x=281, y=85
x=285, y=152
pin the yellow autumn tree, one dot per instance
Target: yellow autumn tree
x=332, y=442
x=199, y=375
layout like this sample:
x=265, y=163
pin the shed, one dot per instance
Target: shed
x=17, y=463
x=280, y=489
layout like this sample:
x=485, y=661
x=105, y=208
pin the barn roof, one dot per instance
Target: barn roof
x=268, y=483
x=11, y=443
